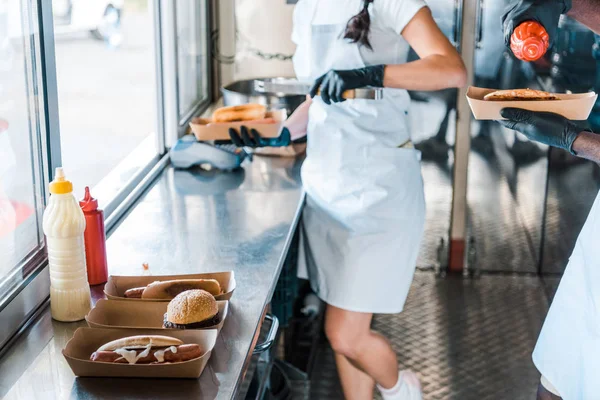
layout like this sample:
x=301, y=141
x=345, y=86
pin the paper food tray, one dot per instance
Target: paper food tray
x=204, y=129
x=575, y=107
x=117, y=285
x=87, y=340
x=139, y=315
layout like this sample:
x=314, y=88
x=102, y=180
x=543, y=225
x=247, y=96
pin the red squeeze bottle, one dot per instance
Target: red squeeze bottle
x=529, y=41
x=95, y=240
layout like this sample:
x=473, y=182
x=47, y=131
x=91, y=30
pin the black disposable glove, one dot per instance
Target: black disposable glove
x=243, y=138
x=544, y=127
x=334, y=83
x=546, y=12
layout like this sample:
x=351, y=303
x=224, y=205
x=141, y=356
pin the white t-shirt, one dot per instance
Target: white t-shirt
x=388, y=20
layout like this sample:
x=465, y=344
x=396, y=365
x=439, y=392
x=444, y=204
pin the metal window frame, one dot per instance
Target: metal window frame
x=23, y=301
x=177, y=124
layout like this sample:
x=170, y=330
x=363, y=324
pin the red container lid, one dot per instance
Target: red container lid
x=529, y=41
x=88, y=203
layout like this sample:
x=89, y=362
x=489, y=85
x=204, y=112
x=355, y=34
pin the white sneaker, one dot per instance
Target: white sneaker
x=408, y=387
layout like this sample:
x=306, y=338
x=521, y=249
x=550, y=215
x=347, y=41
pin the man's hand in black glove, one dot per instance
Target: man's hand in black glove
x=546, y=12
x=252, y=138
x=544, y=127
x=333, y=84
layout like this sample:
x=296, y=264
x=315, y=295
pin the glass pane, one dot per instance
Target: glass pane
x=20, y=194
x=105, y=64
x=192, y=65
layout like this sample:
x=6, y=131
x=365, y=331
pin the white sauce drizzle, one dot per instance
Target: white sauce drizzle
x=130, y=355
x=160, y=354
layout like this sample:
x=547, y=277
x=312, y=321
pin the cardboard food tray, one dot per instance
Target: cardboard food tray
x=117, y=285
x=139, y=315
x=575, y=107
x=204, y=129
x=87, y=340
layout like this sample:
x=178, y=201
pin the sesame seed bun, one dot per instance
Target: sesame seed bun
x=191, y=306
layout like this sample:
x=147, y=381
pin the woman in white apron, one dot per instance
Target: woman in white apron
x=364, y=214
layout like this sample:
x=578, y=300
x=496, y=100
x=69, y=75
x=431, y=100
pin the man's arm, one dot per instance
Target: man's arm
x=553, y=130
x=587, y=145
x=587, y=12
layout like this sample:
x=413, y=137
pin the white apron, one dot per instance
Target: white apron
x=365, y=209
x=567, y=352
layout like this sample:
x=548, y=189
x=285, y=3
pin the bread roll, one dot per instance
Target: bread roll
x=246, y=112
x=167, y=290
x=192, y=306
x=140, y=342
x=519, y=95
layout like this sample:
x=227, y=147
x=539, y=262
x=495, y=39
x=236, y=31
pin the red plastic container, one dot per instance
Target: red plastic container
x=529, y=41
x=95, y=240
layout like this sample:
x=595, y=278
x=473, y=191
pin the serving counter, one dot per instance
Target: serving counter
x=187, y=222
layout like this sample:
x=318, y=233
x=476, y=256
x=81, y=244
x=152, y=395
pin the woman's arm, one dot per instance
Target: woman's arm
x=440, y=66
x=298, y=121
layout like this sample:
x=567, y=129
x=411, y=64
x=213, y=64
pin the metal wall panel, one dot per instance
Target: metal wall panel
x=507, y=173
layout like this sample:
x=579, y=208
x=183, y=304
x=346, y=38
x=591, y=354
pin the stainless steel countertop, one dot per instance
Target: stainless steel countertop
x=188, y=222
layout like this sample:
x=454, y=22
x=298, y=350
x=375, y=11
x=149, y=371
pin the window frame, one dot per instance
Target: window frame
x=22, y=300
x=176, y=125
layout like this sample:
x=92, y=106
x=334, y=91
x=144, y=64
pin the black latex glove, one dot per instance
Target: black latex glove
x=544, y=127
x=334, y=83
x=252, y=138
x=546, y=12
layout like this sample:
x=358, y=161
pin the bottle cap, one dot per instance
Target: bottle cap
x=529, y=41
x=60, y=185
x=88, y=203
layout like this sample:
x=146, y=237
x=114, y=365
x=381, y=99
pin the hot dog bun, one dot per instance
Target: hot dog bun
x=246, y=112
x=146, y=349
x=134, y=293
x=157, y=355
x=519, y=95
x=140, y=342
x=167, y=290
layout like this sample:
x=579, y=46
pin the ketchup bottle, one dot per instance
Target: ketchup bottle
x=529, y=41
x=95, y=240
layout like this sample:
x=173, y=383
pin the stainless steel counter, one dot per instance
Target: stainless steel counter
x=188, y=222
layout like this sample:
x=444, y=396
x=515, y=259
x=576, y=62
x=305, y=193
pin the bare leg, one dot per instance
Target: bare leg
x=355, y=383
x=362, y=356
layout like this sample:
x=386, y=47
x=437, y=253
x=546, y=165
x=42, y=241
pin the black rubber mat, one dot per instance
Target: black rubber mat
x=467, y=339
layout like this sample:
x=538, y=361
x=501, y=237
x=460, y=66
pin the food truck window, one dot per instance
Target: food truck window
x=107, y=90
x=192, y=57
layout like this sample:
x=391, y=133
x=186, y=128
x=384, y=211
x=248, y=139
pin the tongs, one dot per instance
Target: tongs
x=294, y=87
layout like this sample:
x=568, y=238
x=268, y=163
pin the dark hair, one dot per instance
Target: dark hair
x=359, y=26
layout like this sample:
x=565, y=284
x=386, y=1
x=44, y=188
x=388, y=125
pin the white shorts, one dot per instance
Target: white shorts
x=548, y=386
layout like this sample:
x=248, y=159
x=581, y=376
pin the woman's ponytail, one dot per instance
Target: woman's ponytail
x=359, y=26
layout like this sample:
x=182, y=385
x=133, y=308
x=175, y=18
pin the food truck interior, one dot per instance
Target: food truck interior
x=108, y=90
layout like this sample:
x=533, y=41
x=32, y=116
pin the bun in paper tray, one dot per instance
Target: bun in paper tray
x=519, y=95
x=245, y=112
x=487, y=103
